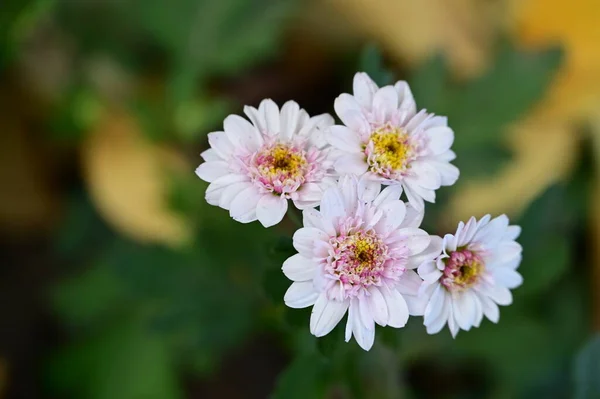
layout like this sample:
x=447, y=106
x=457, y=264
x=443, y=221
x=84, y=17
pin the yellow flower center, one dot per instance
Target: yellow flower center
x=389, y=150
x=280, y=168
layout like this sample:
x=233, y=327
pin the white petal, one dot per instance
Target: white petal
x=257, y=118
x=314, y=218
x=271, y=209
x=368, y=189
x=417, y=240
x=390, y=193
x=299, y=268
x=492, y=231
x=413, y=217
x=449, y=173
x=393, y=215
x=433, y=250
x=397, y=307
x=243, y=203
x=290, y=115
x=450, y=242
x=406, y=100
x=507, y=277
x=344, y=139
x=506, y=252
x=210, y=171
x=435, y=324
x=419, y=191
x=426, y=175
x=385, y=103
x=353, y=164
x=440, y=139
x=490, y=309
x=300, y=295
x=326, y=314
x=349, y=111
x=364, y=88
x=221, y=144
x=271, y=112
x=230, y=192
x=415, y=200
x=332, y=203
x=241, y=132
x=217, y=187
x=429, y=272
x=416, y=121
x=304, y=240
x=377, y=306
x=463, y=307
x=512, y=233
x=364, y=335
x=349, y=190
x=309, y=196
x=210, y=155
x=500, y=295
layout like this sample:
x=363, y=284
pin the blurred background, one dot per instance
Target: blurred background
x=118, y=281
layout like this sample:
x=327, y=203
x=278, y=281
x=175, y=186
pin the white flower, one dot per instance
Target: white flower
x=254, y=168
x=356, y=255
x=388, y=141
x=473, y=275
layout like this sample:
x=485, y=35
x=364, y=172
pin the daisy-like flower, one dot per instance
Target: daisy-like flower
x=356, y=254
x=472, y=276
x=386, y=139
x=255, y=167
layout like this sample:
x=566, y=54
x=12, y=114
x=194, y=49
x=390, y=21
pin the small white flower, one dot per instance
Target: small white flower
x=356, y=255
x=473, y=275
x=387, y=140
x=254, y=168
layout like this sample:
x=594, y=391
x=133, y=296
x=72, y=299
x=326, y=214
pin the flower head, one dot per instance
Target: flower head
x=356, y=254
x=255, y=167
x=385, y=139
x=472, y=276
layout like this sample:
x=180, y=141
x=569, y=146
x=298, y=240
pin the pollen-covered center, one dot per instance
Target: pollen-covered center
x=463, y=269
x=358, y=259
x=279, y=168
x=389, y=151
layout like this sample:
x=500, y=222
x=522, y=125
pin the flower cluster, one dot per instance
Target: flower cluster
x=360, y=250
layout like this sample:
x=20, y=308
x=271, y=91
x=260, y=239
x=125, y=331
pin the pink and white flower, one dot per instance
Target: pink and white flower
x=384, y=138
x=357, y=254
x=255, y=167
x=472, y=276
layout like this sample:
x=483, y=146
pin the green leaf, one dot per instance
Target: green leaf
x=587, y=371
x=303, y=378
x=371, y=62
x=123, y=361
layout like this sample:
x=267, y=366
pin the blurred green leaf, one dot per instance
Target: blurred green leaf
x=123, y=361
x=480, y=109
x=371, y=62
x=303, y=378
x=587, y=371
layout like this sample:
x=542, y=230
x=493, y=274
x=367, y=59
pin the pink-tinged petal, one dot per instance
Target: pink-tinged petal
x=364, y=88
x=388, y=194
x=300, y=295
x=426, y=174
x=433, y=250
x=353, y=164
x=271, y=209
x=409, y=283
x=290, y=114
x=377, y=306
x=210, y=171
x=332, y=203
x=299, y=268
x=344, y=139
x=244, y=203
x=385, y=103
x=416, y=121
x=440, y=139
x=230, y=192
x=271, y=112
x=314, y=218
x=406, y=101
x=304, y=240
x=349, y=111
x=417, y=240
x=210, y=155
x=397, y=307
x=500, y=295
x=241, y=133
x=326, y=314
x=221, y=144
x=348, y=188
x=257, y=118
x=368, y=189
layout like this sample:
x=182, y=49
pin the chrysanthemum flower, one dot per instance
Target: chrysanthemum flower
x=357, y=254
x=386, y=139
x=255, y=168
x=473, y=275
